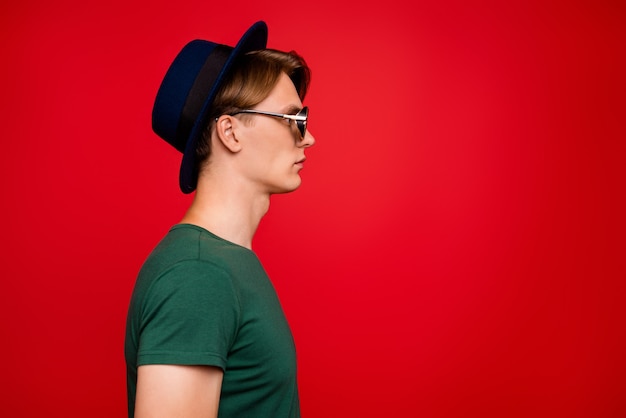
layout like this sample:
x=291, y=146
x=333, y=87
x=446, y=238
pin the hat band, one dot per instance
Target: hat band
x=202, y=85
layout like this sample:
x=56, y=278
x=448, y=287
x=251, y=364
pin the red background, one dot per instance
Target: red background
x=457, y=248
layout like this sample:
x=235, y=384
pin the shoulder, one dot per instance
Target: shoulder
x=187, y=263
x=191, y=288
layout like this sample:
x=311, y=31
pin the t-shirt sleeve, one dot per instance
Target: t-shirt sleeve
x=189, y=317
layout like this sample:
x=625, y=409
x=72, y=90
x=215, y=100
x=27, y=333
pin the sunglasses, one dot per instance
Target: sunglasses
x=300, y=118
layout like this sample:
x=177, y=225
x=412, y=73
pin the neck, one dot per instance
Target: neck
x=228, y=211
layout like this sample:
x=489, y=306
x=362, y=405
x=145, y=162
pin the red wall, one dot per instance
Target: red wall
x=457, y=248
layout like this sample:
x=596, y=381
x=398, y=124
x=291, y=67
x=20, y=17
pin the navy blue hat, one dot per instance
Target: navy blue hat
x=188, y=89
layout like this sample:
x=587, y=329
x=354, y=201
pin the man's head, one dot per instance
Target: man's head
x=209, y=80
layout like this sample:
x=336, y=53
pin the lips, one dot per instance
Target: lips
x=300, y=161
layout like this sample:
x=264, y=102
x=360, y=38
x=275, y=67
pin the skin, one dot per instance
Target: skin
x=252, y=158
x=177, y=391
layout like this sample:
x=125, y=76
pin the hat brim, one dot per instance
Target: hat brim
x=254, y=39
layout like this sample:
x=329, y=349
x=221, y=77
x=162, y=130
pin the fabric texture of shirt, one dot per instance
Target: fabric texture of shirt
x=202, y=300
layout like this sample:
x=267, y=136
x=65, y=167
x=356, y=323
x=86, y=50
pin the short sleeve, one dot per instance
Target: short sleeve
x=189, y=317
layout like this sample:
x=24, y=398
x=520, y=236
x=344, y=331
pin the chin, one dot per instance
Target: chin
x=287, y=187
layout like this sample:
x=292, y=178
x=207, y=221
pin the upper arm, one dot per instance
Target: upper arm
x=177, y=391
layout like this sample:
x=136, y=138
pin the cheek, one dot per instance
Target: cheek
x=276, y=149
x=266, y=161
x=271, y=150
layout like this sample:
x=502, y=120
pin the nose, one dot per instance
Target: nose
x=308, y=140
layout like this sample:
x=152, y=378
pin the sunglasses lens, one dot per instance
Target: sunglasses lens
x=302, y=123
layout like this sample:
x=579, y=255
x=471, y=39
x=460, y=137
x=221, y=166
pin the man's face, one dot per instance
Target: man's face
x=273, y=149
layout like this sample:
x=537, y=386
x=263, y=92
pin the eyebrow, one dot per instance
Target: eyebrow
x=291, y=109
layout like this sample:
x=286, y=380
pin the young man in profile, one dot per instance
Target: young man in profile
x=206, y=335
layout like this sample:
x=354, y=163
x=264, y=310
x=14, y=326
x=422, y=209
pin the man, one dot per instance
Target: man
x=206, y=335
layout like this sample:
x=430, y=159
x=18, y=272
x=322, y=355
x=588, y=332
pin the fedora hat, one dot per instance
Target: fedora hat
x=187, y=92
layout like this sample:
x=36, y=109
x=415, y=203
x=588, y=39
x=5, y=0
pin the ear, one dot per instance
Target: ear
x=225, y=131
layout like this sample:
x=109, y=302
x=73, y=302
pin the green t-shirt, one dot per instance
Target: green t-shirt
x=201, y=300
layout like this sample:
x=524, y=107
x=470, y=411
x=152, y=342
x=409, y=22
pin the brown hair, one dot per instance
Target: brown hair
x=251, y=79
